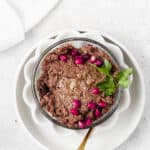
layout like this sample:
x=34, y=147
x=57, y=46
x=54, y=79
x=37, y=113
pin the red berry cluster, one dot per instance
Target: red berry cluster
x=81, y=58
x=91, y=106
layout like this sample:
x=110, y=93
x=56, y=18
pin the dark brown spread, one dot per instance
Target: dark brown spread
x=63, y=80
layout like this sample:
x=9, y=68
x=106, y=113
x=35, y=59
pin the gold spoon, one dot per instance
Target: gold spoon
x=84, y=141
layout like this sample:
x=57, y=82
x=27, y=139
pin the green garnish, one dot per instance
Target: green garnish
x=122, y=77
x=106, y=68
x=108, y=86
x=111, y=83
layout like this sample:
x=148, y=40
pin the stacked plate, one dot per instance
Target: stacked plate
x=107, y=135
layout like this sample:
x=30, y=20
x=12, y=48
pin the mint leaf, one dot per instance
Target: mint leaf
x=107, y=65
x=106, y=68
x=108, y=86
x=124, y=83
x=122, y=77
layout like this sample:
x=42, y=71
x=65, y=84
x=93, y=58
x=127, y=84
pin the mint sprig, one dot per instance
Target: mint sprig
x=111, y=83
x=122, y=77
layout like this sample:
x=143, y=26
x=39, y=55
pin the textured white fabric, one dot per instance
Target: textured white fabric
x=32, y=11
x=11, y=29
x=18, y=17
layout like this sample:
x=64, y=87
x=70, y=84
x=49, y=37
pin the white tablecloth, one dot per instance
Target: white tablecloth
x=126, y=20
x=19, y=16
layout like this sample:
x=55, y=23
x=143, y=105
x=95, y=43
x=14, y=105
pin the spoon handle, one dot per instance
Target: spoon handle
x=84, y=141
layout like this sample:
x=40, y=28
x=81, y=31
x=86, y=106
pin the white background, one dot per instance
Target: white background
x=126, y=20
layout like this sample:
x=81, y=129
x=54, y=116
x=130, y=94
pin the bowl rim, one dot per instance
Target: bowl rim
x=37, y=64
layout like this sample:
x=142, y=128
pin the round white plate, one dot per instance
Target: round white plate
x=109, y=140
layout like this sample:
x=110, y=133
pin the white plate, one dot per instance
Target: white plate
x=29, y=99
x=126, y=124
